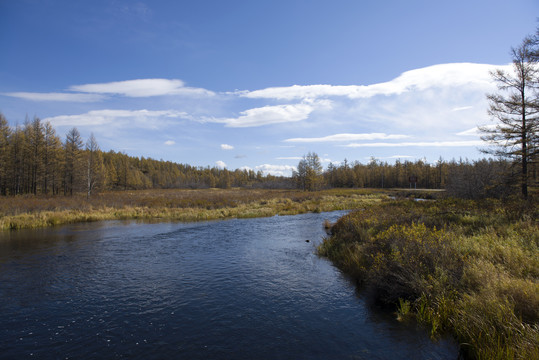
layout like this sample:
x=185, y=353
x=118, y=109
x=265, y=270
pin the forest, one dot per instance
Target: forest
x=35, y=160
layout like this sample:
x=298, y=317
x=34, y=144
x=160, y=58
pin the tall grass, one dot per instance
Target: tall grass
x=181, y=205
x=470, y=268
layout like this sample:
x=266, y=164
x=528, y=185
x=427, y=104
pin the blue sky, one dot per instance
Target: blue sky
x=258, y=84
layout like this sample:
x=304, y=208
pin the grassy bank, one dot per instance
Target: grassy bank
x=469, y=268
x=179, y=205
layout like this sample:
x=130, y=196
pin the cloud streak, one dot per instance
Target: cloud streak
x=142, y=88
x=458, y=143
x=103, y=117
x=55, y=96
x=130, y=88
x=347, y=137
x=267, y=115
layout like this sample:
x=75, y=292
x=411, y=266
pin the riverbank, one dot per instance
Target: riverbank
x=176, y=205
x=468, y=268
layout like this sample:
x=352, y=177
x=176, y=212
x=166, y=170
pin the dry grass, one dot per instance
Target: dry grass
x=471, y=268
x=181, y=205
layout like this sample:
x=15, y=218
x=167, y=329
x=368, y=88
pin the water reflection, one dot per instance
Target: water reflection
x=238, y=289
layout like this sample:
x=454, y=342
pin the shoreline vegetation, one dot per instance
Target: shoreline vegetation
x=465, y=267
x=468, y=268
x=20, y=212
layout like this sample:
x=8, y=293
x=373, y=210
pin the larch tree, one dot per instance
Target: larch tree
x=308, y=175
x=34, y=148
x=515, y=109
x=5, y=133
x=51, y=160
x=94, y=165
x=16, y=161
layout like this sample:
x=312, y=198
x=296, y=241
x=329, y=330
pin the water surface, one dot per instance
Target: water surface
x=237, y=289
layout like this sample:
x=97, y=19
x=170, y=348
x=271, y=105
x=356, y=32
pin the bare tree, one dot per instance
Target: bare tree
x=515, y=108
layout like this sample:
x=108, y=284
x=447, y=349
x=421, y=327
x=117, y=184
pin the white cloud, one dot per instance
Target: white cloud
x=348, y=137
x=267, y=115
x=142, y=88
x=422, y=144
x=107, y=116
x=462, y=108
x=227, y=147
x=443, y=75
x=220, y=164
x=170, y=142
x=54, y=96
x=475, y=131
x=277, y=170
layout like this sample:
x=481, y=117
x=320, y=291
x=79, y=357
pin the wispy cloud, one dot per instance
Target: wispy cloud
x=462, y=108
x=129, y=88
x=289, y=158
x=271, y=114
x=102, y=117
x=475, y=131
x=348, y=137
x=227, y=147
x=422, y=144
x=142, y=88
x=170, y=142
x=55, y=96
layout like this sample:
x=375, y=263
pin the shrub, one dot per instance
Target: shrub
x=470, y=267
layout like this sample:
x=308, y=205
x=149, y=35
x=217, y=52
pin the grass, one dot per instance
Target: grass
x=468, y=268
x=179, y=205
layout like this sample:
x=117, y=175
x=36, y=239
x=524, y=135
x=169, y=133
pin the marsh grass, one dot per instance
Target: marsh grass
x=470, y=268
x=178, y=205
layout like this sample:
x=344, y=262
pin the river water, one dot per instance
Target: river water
x=236, y=289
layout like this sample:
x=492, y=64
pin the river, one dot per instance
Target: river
x=235, y=289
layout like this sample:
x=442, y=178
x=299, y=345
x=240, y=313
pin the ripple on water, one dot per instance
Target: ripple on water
x=232, y=289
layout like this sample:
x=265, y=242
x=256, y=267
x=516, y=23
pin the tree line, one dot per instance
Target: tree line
x=34, y=160
x=463, y=178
